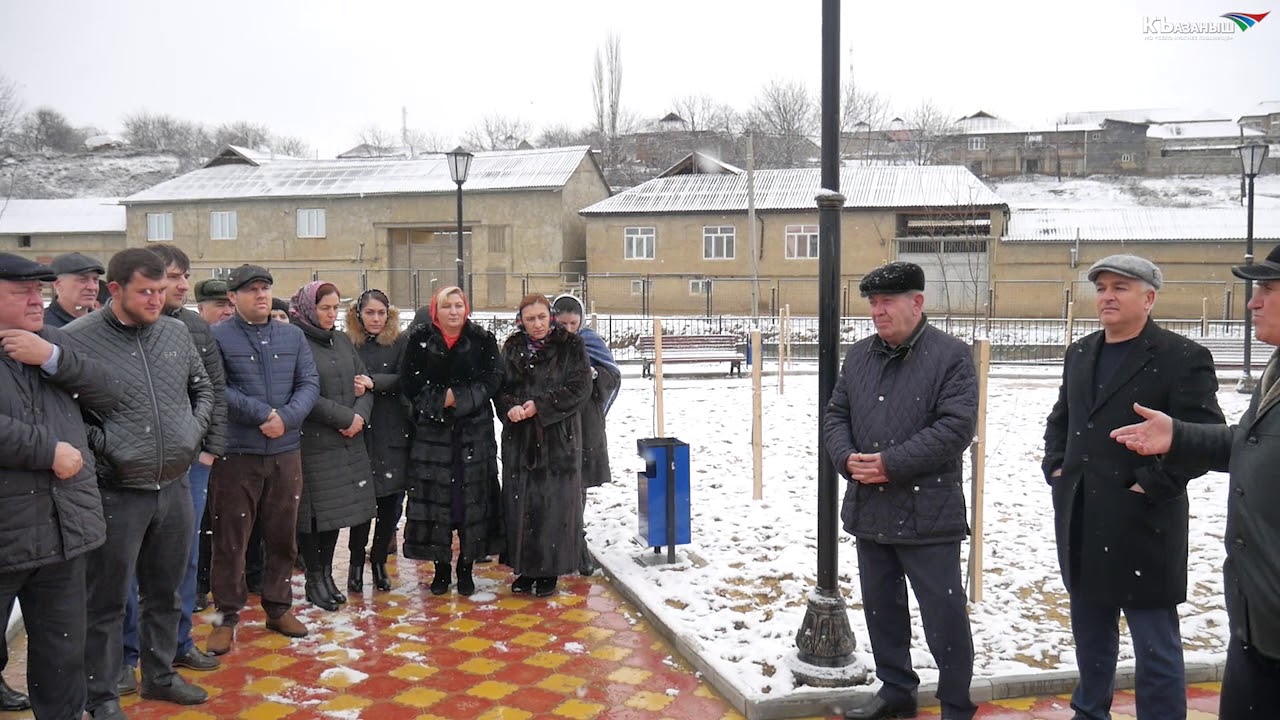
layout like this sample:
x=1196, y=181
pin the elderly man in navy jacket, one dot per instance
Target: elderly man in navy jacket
x=48, y=488
x=271, y=386
x=897, y=425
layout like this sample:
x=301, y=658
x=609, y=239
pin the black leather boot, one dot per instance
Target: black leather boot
x=440, y=583
x=334, y=592
x=466, y=584
x=355, y=573
x=318, y=591
x=381, y=580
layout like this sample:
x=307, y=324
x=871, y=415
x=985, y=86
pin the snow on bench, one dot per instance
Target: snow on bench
x=692, y=349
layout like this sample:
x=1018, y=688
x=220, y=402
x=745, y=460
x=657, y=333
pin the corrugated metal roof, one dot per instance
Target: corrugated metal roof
x=500, y=170
x=863, y=187
x=81, y=215
x=1141, y=225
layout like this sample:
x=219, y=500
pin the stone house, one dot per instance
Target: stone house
x=43, y=229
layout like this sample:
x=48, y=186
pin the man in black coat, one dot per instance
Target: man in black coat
x=48, y=488
x=75, y=288
x=1121, y=519
x=896, y=426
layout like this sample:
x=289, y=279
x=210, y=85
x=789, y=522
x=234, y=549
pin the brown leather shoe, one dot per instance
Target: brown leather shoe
x=220, y=640
x=287, y=625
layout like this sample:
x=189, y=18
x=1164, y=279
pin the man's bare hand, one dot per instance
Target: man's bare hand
x=449, y=399
x=866, y=468
x=67, y=460
x=1152, y=436
x=26, y=347
x=516, y=413
x=357, y=424
x=529, y=409
x=273, y=427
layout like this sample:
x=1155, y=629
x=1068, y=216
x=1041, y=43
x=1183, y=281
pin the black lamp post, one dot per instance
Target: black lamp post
x=459, y=166
x=1252, y=156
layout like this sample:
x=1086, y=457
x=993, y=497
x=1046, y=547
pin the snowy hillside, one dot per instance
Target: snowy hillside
x=84, y=175
x=1109, y=191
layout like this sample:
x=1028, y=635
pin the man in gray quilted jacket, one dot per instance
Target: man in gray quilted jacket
x=896, y=427
x=144, y=449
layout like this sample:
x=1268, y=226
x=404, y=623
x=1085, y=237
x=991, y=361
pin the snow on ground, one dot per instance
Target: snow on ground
x=1104, y=191
x=739, y=591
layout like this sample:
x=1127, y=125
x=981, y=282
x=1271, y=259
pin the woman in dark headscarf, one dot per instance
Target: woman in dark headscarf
x=336, y=487
x=373, y=324
x=450, y=373
x=606, y=379
x=547, y=382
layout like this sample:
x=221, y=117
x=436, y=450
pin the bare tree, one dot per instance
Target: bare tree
x=155, y=131
x=290, y=146
x=783, y=118
x=563, y=136
x=857, y=104
x=423, y=141
x=606, y=95
x=378, y=142
x=46, y=129
x=242, y=133
x=10, y=110
x=702, y=113
x=927, y=129
x=496, y=132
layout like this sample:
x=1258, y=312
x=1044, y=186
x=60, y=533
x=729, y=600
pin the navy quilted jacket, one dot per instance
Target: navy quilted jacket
x=918, y=408
x=268, y=366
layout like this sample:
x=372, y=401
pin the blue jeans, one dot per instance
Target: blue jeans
x=1160, y=679
x=199, y=475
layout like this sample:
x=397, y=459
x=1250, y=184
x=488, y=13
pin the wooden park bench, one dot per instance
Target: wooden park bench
x=692, y=349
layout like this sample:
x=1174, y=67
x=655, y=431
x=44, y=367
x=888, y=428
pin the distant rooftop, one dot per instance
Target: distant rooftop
x=45, y=217
x=1146, y=115
x=1201, y=130
x=245, y=174
x=1140, y=225
x=889, y=186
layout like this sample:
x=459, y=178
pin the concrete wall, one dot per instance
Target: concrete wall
x=45, y=247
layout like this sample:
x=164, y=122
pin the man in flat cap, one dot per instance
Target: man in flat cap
x=1251, y=573
x=52, y=513
x=896, y=427
x=75, y=288
x=212, y=301
x=1120, y=518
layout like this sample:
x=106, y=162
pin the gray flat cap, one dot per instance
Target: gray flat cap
x=1131, y=266
x=77, y=264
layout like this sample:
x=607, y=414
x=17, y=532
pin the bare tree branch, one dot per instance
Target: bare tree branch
x=496, y=132
x=10, y=110
x=783, y=117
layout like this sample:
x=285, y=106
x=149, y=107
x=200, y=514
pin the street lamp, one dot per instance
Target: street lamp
x=1252, y=156
x=459, y=166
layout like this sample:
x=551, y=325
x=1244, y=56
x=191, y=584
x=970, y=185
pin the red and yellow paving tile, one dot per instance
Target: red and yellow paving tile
x=583, y=654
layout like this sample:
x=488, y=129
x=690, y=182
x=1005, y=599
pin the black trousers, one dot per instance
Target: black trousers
x=1250, y=683
x=934, y=572
x=53, y=602
x=149, y=535
x=4, y=641
x=390, y=507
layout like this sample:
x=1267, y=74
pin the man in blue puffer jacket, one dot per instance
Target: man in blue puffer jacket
x=271, y=386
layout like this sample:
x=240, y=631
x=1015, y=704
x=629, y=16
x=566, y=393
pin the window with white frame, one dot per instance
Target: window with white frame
x=977, y=143
x=638, y=243
x=802, y=242
x=637, y=287
x=222, y=225
x=1034, y=140
x=159, y=227
x=699, y=287
x=718, y=242
x=1126, y=157
x=311, y=222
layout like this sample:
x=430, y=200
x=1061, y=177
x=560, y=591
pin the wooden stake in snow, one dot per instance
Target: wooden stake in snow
x=978, y=460
x=784, y=344
x=757, y=419
x=1071, y=320
x=657, y=377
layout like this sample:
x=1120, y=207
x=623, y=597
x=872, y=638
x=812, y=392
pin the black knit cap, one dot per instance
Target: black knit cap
x=892, y=279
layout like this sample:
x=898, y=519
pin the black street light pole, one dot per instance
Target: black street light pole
x=1251, y=158
x=459, y=166
x=825, y=639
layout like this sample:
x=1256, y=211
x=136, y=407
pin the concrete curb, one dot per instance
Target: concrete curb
x=809, y=702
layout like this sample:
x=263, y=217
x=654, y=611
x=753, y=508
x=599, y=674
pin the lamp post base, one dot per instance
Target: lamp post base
x=825, y=645
x=1245, y=385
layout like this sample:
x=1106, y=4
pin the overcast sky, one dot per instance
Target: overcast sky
x=323, y=70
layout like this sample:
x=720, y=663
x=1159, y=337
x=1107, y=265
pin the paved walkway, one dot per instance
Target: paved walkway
x=583, y=654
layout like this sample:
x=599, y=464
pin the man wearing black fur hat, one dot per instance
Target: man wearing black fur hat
x=897, y=425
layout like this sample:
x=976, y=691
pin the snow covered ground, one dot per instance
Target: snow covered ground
x=1103, y=191
x=739, y=591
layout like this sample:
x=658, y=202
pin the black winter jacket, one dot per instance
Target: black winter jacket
x=269, y=366
x=388, y=436
x=155, y=433
x=917, y=406
x=336, y=487
x=215, y=438
x=47, y=520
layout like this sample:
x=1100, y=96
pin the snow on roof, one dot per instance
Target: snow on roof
x=280, y=178
x=984, y=124
x=1205, y=129
x=795, y=189
x=46, y=217
x=1140, y=225
x=1269, y=107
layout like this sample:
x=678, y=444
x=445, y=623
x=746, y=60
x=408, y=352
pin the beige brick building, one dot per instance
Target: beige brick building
x=43, y=229
x=381, y=222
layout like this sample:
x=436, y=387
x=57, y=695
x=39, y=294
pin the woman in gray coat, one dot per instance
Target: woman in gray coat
x=336, y=491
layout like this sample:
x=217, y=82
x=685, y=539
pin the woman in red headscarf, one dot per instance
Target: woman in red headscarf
x=450, y=374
